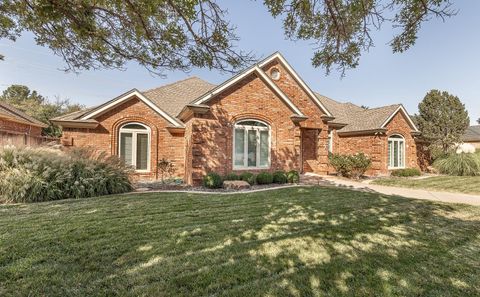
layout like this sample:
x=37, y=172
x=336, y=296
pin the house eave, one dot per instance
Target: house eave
x=191, y=109
x=296, y=118
x=362, y=132
x=12, y=119
x=76, y=124
x=176, y=130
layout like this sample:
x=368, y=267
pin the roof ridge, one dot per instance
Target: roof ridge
x=176, y=82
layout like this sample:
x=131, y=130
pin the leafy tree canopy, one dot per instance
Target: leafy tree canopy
x=38, y=106
x=442, y=119
x=180, y=34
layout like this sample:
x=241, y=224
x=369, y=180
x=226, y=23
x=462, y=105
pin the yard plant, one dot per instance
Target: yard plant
x=304, y=241
x=352, y=166
x=462, y=164
x=407, y=172
x=34, y=175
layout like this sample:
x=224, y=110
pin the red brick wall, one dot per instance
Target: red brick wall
x=20, y=127
x=376, y=146
x=105, y=136
x=19, y=134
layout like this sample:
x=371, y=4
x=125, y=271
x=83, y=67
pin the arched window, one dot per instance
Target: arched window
x=396, y=152
x=251, y=144
x=134, y=146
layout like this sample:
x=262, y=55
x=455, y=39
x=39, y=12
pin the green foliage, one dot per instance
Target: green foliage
x=212, y=180
x=177, y=35
x=279, y=177
x=442, y=119
x=459, y=164
x=264, y=178
x=293, y=177
x=407, y=172
x=159, y=35
x=34, y=175
x=248, y=177
x=37, y=106
x=231, y=176
x=352, y=166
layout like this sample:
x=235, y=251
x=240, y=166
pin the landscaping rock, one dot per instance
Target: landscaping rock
x=236, y=185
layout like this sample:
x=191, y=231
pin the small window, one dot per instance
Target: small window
x=251, y=145
x=330, y=141
x=396, y=152
x=275, y=74
x=134, y=146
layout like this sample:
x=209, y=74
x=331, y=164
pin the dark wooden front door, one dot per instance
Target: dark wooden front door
x=309, y=149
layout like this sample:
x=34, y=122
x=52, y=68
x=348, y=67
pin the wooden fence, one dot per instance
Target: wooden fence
x=22, y=139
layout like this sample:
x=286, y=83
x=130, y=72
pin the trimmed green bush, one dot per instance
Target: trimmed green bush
x=264, y=178
x=293, y=177
x=248, y=177
x=407, y=172
x=279, y=177
x=231, y=176
x=34, y=175
x=462, y=164
x=212, y=181
x=352, y=166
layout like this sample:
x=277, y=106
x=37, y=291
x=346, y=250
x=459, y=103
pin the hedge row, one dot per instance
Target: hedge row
x=214, y=180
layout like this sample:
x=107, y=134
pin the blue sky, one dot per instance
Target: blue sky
x=445, y=57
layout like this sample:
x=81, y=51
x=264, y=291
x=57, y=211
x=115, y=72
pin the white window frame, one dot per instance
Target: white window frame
x=247, y=128
x=401, y=141
x=330, y=141
x=134, y=133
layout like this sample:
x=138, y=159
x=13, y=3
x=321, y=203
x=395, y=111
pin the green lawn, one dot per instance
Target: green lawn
x=289, y=242
x=462, y=184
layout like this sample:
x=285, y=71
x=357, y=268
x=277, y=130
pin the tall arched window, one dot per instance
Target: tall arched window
x=134, y=146
x=396, y=152
x=251, y=144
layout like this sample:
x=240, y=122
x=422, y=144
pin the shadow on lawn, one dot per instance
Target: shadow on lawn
x=378, y=245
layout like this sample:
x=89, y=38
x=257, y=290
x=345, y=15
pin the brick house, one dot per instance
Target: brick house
x=18, y=128
x=472, y=136
x=264, y=118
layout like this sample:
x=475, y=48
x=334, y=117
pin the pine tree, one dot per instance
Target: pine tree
x=443, y=119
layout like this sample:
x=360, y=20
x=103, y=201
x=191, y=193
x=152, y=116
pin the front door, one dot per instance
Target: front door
x=309, y=149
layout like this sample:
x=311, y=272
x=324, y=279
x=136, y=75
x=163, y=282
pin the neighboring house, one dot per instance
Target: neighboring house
x=18, y=128
x=265, y=118
x=472, y=136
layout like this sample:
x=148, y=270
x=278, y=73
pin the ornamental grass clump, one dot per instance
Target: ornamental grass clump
x=462, y=164
x=39, y=174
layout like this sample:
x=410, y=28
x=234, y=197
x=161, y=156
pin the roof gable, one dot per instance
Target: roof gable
x=9, y=112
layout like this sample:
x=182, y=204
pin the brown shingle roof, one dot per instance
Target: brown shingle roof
x=10, y=112
x=356, y=117
x=472, y=133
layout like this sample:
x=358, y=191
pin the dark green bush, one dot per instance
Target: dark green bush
x=248, y=177
x=34, y=175
x=352, y=166
x=264, y=178
x=212, y=181
x=279, y=177
x=462, y=164
x=293, y=177
x=407, y=172
x=231, y=176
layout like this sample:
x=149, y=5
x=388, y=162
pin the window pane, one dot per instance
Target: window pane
x=252, y=123
x=264, y=148
x=400, y=153
x=134, y=126
x=395, y=154
x=142, y=151
x=239, y=147
x=126, y=148
x=389, y=154
x=252, y=148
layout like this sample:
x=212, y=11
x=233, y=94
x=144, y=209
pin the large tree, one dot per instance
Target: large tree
x=180, y=34
x=38, y=106
x=442, y=119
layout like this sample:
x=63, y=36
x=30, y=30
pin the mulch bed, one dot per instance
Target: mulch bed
x=147, y=186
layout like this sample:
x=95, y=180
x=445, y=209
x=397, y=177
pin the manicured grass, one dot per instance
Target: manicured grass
x=289, y=242
x=462, y=184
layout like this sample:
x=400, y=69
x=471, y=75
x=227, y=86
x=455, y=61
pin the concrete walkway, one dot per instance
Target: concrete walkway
x=405, y=192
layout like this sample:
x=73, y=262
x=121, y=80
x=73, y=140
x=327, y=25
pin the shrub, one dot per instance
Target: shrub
x=248, y=177
x=33, y=175
x=231, y=176
x=406, y=172
x=166, y=167
x=264, y=178
x=459, y=164
x=293, y=176
x=352, y=166
x=279, y=177
x=212, y=181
